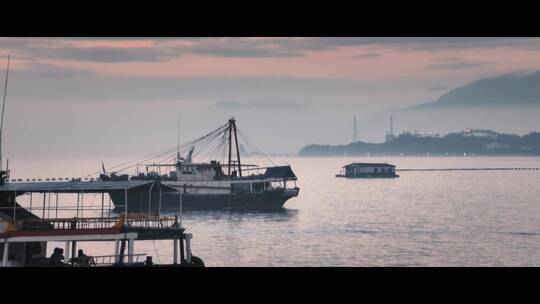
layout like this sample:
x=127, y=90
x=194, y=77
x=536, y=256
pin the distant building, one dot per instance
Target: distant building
x=419, y=134
x=369, y=170
x=479, y=133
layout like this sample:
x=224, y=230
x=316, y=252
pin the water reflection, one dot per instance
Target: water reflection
x=280, y=215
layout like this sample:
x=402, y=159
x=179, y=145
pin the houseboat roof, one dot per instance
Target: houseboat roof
x=277, y=172
x=363, y=165
x=283, y=172
x=89, y=187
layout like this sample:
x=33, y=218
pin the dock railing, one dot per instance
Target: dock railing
x=111, y=259
x=103, y=260
x=101, y=222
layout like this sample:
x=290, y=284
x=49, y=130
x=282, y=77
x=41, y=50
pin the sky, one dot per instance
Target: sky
x=121, y=97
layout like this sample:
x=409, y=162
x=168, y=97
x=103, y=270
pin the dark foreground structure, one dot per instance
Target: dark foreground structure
x=26, y=230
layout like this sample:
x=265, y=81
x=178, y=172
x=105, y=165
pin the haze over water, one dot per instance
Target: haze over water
x=455, y=218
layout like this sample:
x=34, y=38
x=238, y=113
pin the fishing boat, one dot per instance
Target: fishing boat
x=216, y=184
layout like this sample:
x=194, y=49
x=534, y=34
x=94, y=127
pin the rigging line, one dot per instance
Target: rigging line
x=142, y=161
x=165, y=157
x=3, y=109
x=128, y=163
x=247, y=140
x=258, y=149
x=204, y=144
x=223, y=146
x=155, y=156
x=157, y=254
x=207, y=144
x=215, y=143
x=215, y=150
x=209, y=151
x=150, y=156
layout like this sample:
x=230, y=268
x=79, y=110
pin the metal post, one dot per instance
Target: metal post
x=150, y=198
x=14, y=205
x=78, y=194
x=109, y=206
x=175, y=251
x=44, y=197
x=180, y=210
x=182, y=258
x=5, y=257
x=82, y=203
x=56, y=215
x=159, y=210
x=188, y=247
x=49, y=205
x=67, y=251
x=125, y=206
x=30, y=201
x=131, y=244
x=74, y=249
x=102, y=204
x=116, y=245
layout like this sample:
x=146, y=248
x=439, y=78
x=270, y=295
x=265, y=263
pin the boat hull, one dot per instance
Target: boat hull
x=170, y=201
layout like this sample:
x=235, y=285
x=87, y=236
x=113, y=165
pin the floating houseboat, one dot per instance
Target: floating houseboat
x=368, y=170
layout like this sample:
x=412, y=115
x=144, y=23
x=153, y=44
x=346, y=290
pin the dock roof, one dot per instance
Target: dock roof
x=368, y=165
x=83, y=186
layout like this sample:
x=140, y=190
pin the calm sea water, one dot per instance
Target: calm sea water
x=453, y=218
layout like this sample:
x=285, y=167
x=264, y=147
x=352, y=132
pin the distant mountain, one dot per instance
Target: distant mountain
x=508, y=103
x=507, y=90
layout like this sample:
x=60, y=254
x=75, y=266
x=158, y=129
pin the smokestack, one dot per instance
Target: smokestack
x=354, y=129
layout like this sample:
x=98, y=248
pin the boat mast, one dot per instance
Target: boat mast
x=3, y=109
x=230, y=144
x=237, y=150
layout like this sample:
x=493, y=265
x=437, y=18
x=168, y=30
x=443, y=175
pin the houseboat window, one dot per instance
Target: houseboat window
x=376, y=170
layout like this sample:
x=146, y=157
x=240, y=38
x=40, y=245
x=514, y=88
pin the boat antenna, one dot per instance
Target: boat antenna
x=3, y=109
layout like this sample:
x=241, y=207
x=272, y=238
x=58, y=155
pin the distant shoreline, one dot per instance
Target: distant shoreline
x=467, y=143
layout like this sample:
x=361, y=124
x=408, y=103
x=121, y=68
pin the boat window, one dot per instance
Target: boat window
x=258, y=187
x=240, y=187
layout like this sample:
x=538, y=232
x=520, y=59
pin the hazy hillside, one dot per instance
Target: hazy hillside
x=508, y=103
x=507, y=90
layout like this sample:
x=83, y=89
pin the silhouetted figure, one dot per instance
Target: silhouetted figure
x=57, y=257
x=148, y=261
x=83, y=259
